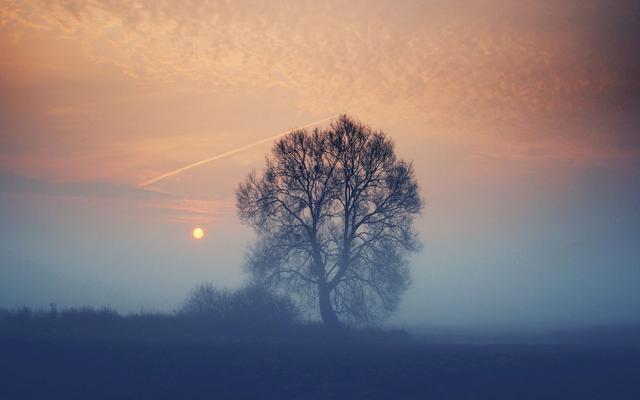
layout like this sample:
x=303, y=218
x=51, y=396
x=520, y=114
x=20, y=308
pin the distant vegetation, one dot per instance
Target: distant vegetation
x=248, y=306
x=208, y=313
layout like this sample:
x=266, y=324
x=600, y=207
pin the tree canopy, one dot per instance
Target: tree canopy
x=333, y=211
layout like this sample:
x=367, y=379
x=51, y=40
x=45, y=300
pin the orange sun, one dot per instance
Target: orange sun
x=198, y=233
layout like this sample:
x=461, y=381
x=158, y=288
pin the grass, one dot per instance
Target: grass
x=99, y=354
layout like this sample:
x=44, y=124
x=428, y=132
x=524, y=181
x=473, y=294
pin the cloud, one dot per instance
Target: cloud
x=534, y=74
x=10, y=183
x=159, y=205
x=491, y=62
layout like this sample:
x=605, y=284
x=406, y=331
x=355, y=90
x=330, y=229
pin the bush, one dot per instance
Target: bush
x=245, y=307
x=250, y=313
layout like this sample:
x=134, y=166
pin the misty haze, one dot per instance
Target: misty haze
x=319, y=200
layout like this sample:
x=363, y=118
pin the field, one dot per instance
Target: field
x=73, y=368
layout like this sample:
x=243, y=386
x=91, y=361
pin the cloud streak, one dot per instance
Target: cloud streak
x=131, y=200
x=226, y=154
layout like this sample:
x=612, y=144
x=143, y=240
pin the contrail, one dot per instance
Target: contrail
x=225, y=154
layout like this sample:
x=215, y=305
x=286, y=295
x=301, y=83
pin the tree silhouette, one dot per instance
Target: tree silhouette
x=333, y=211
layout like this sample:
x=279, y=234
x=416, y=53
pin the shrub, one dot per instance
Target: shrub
x=245, y=307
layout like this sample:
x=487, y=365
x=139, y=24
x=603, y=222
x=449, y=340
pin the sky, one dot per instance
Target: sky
x=522, y=119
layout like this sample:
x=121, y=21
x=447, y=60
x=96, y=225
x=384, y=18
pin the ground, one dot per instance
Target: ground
x=59, y=368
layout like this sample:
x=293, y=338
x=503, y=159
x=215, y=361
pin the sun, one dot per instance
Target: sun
x=198, y=233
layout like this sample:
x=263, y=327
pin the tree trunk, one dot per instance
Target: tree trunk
x=327, y=312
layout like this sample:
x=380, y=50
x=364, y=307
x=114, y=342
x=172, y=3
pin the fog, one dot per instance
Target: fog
x=521, y=120
x=536, y=252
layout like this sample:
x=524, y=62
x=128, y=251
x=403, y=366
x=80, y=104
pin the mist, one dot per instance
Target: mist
x=508, y=132
x=525, y=252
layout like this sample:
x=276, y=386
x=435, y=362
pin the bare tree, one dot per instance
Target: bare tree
x=333, y=211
